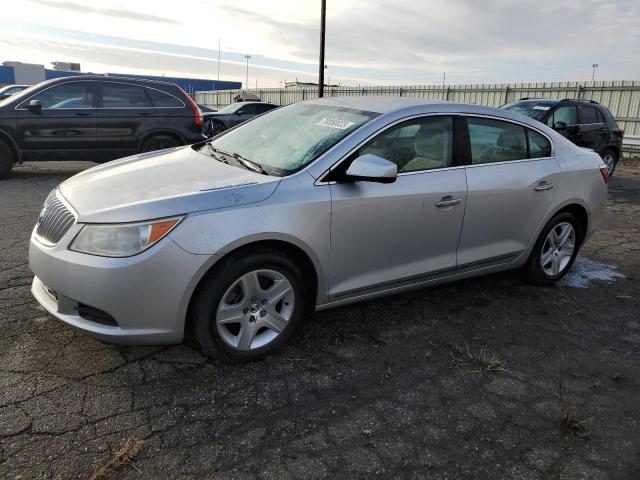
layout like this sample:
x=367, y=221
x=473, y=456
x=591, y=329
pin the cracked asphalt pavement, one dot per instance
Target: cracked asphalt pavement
x=382, y=389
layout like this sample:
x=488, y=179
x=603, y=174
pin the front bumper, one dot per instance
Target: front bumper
x=146, y=295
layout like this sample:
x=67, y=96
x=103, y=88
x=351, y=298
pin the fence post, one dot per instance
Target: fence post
x=304, y=96
x=580, y=87
x=446, y=97
x=506, y=94
x=280, y=98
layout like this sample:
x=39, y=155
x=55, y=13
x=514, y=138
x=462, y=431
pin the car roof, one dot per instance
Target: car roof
x=106, y=77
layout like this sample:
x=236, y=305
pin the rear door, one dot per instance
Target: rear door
x=592, y=128
x=65, y=128
x=511, y=180
x=124, y=114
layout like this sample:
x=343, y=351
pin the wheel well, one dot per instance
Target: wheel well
x=162, y=132
x=581, y=215
x=615, y=150
x=295, y=253
x=4, y=139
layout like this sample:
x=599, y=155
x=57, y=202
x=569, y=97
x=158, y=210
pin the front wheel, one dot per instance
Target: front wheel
x=249, y=306
x=555, y=250
x=159, y=142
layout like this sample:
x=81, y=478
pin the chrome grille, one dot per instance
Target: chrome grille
x=54, y=221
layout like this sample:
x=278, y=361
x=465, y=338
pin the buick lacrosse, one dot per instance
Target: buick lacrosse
x=311, y=206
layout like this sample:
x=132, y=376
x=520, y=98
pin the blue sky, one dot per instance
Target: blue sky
x=368, y=42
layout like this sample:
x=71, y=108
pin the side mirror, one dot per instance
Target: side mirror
x=371, y=168
x=240, y=112
x=34, y=106
x=559, y=126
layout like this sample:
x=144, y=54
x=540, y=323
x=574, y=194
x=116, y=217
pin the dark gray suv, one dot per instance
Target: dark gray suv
x=585, y=122
x=95, y=117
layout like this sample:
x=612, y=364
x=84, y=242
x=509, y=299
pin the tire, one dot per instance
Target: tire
x=258, y=320
x=547, y=264
x=6, y=160
x=610, y=158
x=159, y=142
x=214, y=128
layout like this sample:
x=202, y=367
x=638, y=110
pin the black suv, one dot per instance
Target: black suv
x=585, y=122
x=95, y=117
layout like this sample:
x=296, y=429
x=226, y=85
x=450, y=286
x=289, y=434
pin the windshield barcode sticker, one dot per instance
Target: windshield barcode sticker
x=541, y=107
x=335, y=123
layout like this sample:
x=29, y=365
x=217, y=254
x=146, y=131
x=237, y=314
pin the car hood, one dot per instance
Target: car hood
x=162, y=184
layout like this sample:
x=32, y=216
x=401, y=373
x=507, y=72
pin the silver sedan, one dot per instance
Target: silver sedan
x=315, y=205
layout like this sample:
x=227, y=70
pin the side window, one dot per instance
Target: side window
x=123, y=95
x=496, y=141
x=248, y=109
x=539, y=146
x=421, y=144
x=566, y=113
x=66, y=95
x=588, y=115
x=163, y=100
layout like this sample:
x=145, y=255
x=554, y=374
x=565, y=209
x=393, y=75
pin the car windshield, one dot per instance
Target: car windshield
x=535, y=110
x=286, y=139
x=20, y=94
x=230, y=108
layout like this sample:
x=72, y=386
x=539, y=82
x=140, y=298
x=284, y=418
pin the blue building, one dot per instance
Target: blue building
x=29, y=74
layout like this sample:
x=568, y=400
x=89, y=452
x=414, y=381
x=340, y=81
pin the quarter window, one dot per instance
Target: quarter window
x=496, y=141
x=163, y=100
x=539, y=146
x=566, y=113
x=421, y=144
x=122, y=95
x=588, y=115
x=66, y=96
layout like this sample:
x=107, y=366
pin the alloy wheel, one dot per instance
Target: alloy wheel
x=255, y=309
x=558, y=249
x=610, y=161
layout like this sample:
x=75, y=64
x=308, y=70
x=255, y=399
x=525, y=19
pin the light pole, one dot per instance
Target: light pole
x=593, y=75
x=321, y=66
x=247, y=81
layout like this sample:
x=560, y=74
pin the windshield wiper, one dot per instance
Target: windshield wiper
x=256, y=167
x=248, y=164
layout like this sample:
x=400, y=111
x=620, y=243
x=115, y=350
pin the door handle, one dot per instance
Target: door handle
x=145, y=113
x=83, y=114
x=448, y=202
x=543, y=186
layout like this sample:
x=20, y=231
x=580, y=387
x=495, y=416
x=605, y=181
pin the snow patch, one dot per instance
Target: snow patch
x=585, y=271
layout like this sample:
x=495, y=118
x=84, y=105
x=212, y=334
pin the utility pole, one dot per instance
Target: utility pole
x=593, y=75
x=246, y=83
x=321, y=66
x=218, y=58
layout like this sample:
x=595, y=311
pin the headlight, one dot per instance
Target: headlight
x=121, y=240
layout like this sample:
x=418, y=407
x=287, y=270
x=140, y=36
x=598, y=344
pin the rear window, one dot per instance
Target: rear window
x=610, y=121
x=123, y=95
x=588, y=115
x=532, y=109
x=163, y=100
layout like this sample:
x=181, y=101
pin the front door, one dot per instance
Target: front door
x=65, y=127
x=388, y=235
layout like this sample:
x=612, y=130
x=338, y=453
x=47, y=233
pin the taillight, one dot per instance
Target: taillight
x=620, y=132
x=604, y=171
x=196, y=110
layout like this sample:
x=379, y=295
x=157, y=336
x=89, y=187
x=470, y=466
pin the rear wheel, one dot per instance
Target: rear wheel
x=610, y=159
x=555, y=250
x=249, y=307
x=159, y=142
x=6, y=160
